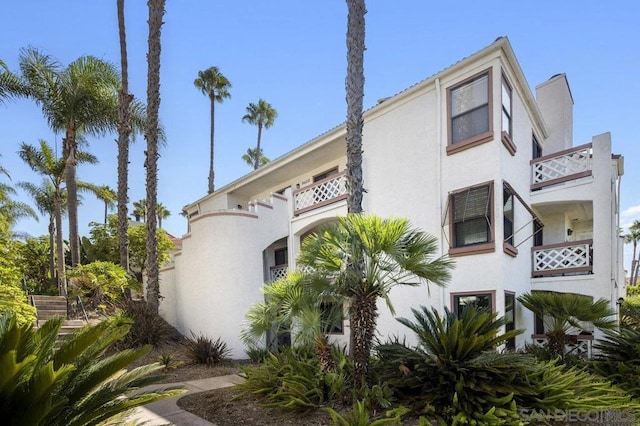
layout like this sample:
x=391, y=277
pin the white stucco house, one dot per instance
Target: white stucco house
x=471, y=156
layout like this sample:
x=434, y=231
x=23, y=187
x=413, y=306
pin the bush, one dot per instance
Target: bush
x=257, y=355
x=101, y=284
x=14, y=301
x=618, y=359
x=203, y=350
x=146, y=326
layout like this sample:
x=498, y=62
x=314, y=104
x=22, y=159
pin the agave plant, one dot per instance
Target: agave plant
x=73, y=384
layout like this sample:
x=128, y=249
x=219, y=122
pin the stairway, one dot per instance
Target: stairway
x=48, y=307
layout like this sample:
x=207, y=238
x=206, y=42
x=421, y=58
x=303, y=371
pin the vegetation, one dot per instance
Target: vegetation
x=250, y=158
x=101, y=284
x=203, y=350
x=146, y=326
x=262, y=115
x=73, y=384
x=13, y=299
x=216, y=86
x=618, y=359
x=632, y=238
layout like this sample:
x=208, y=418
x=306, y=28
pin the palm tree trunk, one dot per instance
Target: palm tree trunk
x=52, y=251
x=62, y=283
x=72, y=192
x=257, y=163
x=124, y=132
x=156, y=12
x=355, y=94
x=211, y=172
x=363, y=314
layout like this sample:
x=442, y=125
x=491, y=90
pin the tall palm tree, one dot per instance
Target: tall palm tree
x=262, y=115
x=216, y=86
x=561, y=311
x=43, y=160
x=162, y=213
x=108, y=196
x=79, y=99
x=633, y=237
x=124, y=135
x=10, y=84
x=355, y=95
x=390, y=253
x=140, y=210
x=250, y=158
x=156, y=12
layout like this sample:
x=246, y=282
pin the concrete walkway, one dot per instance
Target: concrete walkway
x=167, y=412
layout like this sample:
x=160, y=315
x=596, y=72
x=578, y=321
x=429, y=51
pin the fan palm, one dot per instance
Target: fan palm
x=108, y=196
x=250, y=158
x=561, y=311
x=140, y=210
x=216, y=86
x=633, y=237
x=390, y=253
x=262, y=115
x=162, y=213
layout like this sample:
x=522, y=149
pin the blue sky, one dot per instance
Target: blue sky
x=292, y=53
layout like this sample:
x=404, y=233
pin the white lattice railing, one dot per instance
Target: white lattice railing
x=558, y=259
x=580, y=345
x=320, y=193
x=278, y=272
x=561, y=167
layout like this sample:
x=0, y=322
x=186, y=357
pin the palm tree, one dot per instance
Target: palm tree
x=162, y=213
x=108, y=196
x=140, y=210
x=250, y=158
x=355, y=94
x=216, y=86
x=156, y=12
x=561, y=311
x=10, y=84
x=390, y=253
x=81, y=98
x=11, y=211
x=262, y=115
x=43, y=161
x=633, y=237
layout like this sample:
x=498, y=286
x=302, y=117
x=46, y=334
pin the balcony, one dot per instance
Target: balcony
x=561, y=167
x=574, y=258
x=580, y=345
x=277, y=272
x=321, y=193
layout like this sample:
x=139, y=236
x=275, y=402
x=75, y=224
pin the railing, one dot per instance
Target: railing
x=562, y=259
x=561, y=166
x=278, y=272
x=321, y=193
x=580, y=345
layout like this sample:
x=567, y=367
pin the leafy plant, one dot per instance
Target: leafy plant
x=618, y=359
x=168, y=361
x=257, y=355
x=74, y=384
x=146, y=326
x=359, y=416
x=100, y=283
x=203, y=350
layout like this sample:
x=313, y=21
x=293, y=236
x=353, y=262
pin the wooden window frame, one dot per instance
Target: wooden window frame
x=490, y=293
x=510, y=344
x=478, y=139
x=508, y=246
x=507, y=136
x=479, y=248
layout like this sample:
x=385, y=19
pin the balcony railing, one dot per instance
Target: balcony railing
x=321, y=193
x=580, y=345
x=561, y=166
x=563, y=259
x=277, y=272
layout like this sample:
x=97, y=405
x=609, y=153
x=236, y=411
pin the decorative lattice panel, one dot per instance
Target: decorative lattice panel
x=562, y=166
x=321, y=192
x=575, y=256
x=278, y=272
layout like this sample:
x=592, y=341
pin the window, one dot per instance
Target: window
x=507, y=214
x=510, y=318
x=325, y=175
x=331, y=317
x=536, y=148
x=281, y=256
x=537, y=233
x=507, y=125
x=470, y=112
x=471, y=217
x=477, y=300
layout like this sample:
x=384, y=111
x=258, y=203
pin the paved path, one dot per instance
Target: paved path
x=167, y=412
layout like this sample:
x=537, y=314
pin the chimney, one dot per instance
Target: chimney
x=556, y=104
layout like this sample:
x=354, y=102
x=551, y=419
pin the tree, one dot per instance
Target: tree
x=10, y=210
x=633, y=237
x=108, y=196
x=390, y=253
x=162, y=213
x=10, y=84
x=156, y=12
x=13, y=299
x=561, y=311
x=43, y=161
x=262, y=115
x=216, y=86
x=140, y=210
x=355, y=95
x=79, y=99
x=250, y=158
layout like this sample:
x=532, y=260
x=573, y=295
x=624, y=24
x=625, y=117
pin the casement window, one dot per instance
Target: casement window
x=471, y=219
x=461, y=301
x=507, y=214
x=510, y=318
x=507, y=124
x=331, y=318
x=469, y=105
x=536, y=148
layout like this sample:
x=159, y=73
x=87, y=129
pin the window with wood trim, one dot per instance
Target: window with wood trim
x=535, y=147
x=471, y=216
x=508, y=215
x=281, y=256
x=506, y=108
x=510, y=318
x=475, y=300
x=469, y=106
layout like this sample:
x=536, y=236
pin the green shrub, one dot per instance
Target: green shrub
x=13, y=300
x=146, y=326
x=618, y=359
x=73, y=384
x=359, y=416
x=203, y=350
x=257, y=355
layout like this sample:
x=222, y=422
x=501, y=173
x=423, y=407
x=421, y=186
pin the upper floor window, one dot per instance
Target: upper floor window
x=507, y=124
x=536, y=148
x=507, y=212
x=470, y=112
x=471, y=219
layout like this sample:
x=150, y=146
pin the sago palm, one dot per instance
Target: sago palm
x=388, y=252
x=262, y=115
